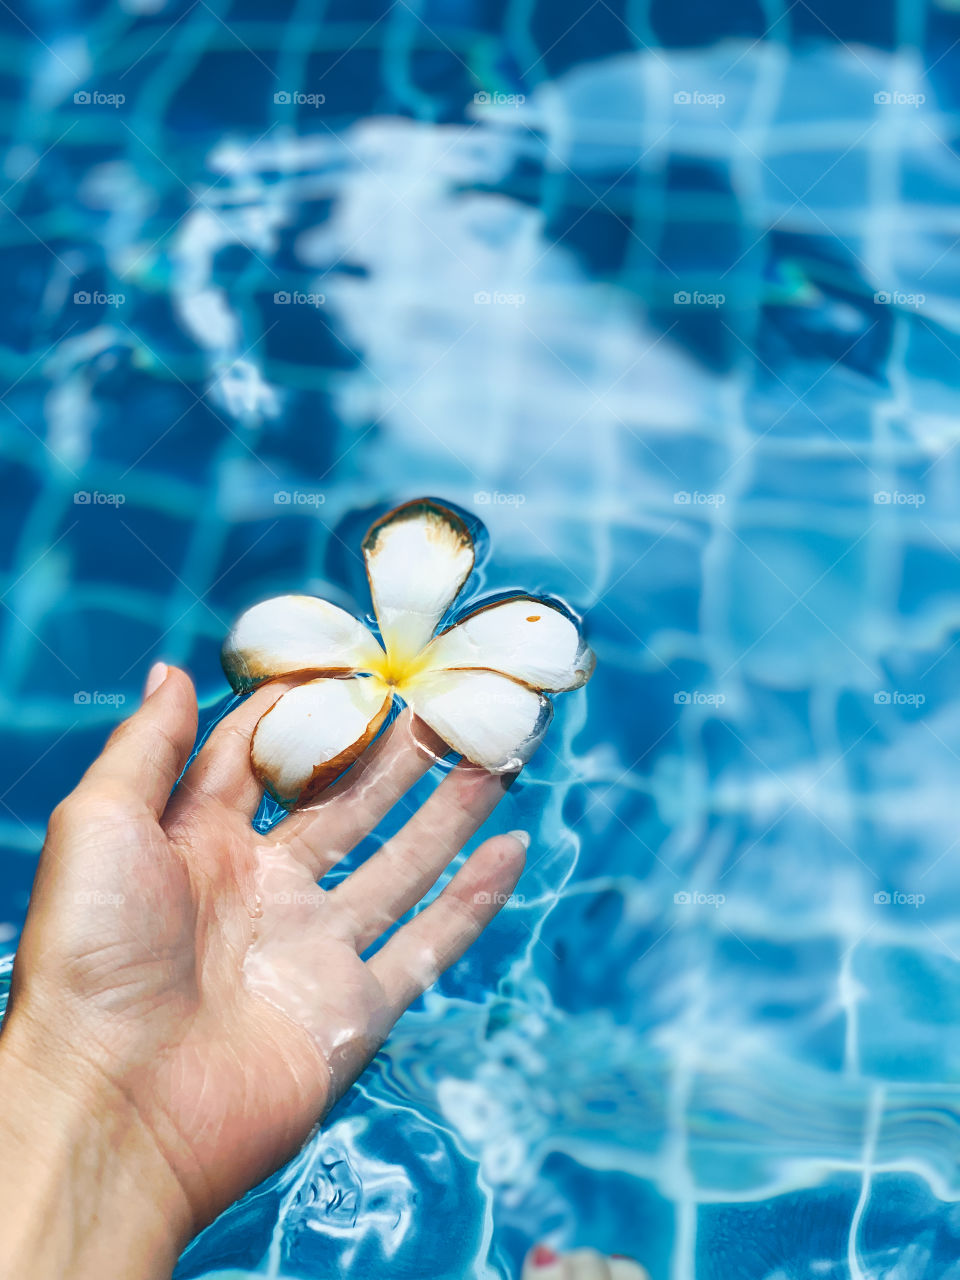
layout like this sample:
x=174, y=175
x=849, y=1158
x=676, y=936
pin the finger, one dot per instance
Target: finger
x=587, y=1264
x=145, y=755
x=418, y=953
x=544, y=1264
x=626, y=1268
x=222, y=770
x=388, y=884
x=349, y=810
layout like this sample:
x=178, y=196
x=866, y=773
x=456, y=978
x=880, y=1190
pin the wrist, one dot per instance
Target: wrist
x=75, y=1157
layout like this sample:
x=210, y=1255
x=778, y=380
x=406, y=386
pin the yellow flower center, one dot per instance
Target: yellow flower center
x=396, y=669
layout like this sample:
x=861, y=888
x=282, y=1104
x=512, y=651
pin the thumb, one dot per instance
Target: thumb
x=145, y=755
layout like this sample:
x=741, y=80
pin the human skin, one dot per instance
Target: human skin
x=146, y=1084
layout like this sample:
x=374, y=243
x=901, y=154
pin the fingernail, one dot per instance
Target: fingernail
x=155, y=678
x=522, y=836
x=543, y=1255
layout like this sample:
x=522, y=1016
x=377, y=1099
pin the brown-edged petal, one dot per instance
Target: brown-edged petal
x=418, y=556
x=289, y=635
x=491, y=720
x=523, y=638
x=315, y=731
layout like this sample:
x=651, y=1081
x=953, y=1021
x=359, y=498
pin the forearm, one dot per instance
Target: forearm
x=84, y=1191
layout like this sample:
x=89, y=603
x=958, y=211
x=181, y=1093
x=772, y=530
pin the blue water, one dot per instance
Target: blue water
x=721, y=1033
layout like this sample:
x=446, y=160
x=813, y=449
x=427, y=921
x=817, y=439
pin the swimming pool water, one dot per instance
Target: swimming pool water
x=666, y=295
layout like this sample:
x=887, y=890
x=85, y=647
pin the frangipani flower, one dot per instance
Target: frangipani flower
x=478, y=684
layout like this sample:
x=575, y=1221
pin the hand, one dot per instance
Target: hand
x=186, y=1003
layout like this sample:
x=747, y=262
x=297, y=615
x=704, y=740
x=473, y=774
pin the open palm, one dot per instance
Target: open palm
x=197, y=966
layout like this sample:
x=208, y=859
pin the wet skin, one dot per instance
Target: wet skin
x=186, y=1004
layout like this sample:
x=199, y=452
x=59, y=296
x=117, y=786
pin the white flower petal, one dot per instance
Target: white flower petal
x=292, y=634
x=489, y=719
x=524, y=638
x=418, y=557
x=315, y=731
